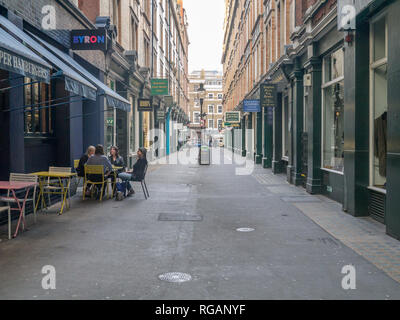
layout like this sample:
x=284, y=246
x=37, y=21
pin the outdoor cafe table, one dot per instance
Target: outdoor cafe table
x=17, y=185
x=42, y=175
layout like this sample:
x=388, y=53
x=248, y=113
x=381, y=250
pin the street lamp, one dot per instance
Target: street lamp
x=200, y=95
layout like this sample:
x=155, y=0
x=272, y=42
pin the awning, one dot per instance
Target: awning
x=17, y=58
x=74, y=82
x=113, y=99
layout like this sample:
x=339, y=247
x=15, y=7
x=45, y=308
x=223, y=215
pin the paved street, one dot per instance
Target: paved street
x=117, y=250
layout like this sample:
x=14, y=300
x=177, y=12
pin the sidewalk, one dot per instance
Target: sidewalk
x=364, y=235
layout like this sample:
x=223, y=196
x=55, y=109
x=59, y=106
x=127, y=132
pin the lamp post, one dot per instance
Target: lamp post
x=200, y=95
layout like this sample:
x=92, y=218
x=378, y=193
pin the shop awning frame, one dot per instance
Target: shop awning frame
x=74, y=82
x=17, y=58
x=113, y=98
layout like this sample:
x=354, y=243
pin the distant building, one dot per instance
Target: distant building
x=212, y=104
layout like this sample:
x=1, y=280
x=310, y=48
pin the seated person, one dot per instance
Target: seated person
x=116, y=160
x=100, y=159
x=137, y=173
x=80, y=170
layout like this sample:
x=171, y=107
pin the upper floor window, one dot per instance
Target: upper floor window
x=210, y=96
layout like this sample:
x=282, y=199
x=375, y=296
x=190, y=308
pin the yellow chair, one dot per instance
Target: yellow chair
x=94, y=170
x=56, y=185
x=76, y=165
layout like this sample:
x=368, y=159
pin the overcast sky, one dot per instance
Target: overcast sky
x=205, y=19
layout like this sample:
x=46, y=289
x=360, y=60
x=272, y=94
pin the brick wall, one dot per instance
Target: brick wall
x=31, y=11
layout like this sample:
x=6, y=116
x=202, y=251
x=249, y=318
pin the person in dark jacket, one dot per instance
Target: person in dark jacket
x=115, y=158
x=137, y=174
x=80, y=170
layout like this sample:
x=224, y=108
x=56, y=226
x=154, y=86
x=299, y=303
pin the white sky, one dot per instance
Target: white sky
x=205, y=19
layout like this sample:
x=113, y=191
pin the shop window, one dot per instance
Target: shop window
x=38, y=113
x=109, y=122
x=333, y=112
x=210, y=123
x=378, y=104
x=132, y=126
x=285, y=128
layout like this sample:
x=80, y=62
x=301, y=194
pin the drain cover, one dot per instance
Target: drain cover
x=245, y=229
x=175, y=277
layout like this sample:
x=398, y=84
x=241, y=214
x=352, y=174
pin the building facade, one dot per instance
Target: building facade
x=71, y=98
x=212, y=109
x=333, y=127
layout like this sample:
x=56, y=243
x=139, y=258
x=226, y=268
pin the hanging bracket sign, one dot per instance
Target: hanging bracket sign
x=89, y=39
x=159, y=87
x=268, y=95
x=145, y=105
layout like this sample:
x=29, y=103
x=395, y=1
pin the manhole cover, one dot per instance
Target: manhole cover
x=166, y=216
x=245, y=229
x=175, y=277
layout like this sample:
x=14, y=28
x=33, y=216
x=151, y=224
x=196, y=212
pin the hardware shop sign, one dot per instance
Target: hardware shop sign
x=268, y=95
x=145, y=105
x=232, y=116
x=18, y=64
x=159, y=87
x=88, y=39
x=251, y=105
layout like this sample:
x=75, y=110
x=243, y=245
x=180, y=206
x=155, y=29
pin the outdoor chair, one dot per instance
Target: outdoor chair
x=9, y=219
x=22, y=177
x=56, y=186
x=97, y=170
x=143, y=183
x=78, y=178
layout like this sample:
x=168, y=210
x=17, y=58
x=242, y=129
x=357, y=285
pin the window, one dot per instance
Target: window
x=219, y=109
x=332, y=112
x=219, y=123
x=210, y=96
x=378, y=102
x=196, y=117
x=134, y=35
x=285, y=128
x=132, y=126
x=38, y=116
x=146, y=53
x=210, y=123
x=211, y=109
x=220, y=96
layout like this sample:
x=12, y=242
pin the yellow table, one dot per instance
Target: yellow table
x=42, y=175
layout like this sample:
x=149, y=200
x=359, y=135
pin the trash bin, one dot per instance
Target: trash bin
x=205, y=155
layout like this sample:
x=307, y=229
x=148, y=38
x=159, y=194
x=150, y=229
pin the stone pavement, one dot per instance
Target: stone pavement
x=117, y=250
x=364, y=235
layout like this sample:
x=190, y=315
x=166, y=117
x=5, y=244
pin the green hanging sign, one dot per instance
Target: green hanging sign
x=159, y=87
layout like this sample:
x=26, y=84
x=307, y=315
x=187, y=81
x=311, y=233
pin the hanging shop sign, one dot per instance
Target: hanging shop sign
x=268, y=95
x=88, y=39
x=160, y=114
x=145, y=105
x=110, y=121
x=251, y=105
x=230, y=124
x=232, y=116
x=159, y=87
x=169, y=101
